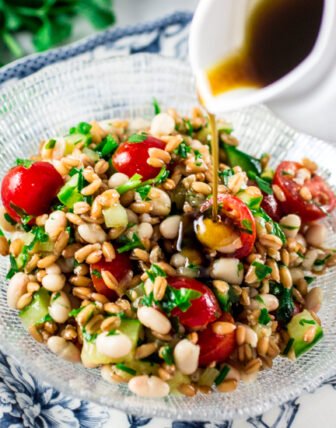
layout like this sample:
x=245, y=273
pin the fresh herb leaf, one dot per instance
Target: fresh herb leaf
x=225, y=175
x=26, y=163
x=131, y=184
x=137, y=138
x=9, y=219
x=222, y=375
x=26, y=219
x=189, y=127
x=82, y=128
x=166, y=354
x=13, y=267
x=144, y=191
x=309, y=279
x=89, y=337
x=286, y=306
x=261, y=270
x=288, y=346
x=96, y=273
x=50, y=144
x=112, y=333
x=130, y=244
x=247, y=226
x=303, y=322
x=288, y=227
x=161, y=177
x=263, y=185
x=254, y=203
x=155, y=271
x=46, y=318
x=126, y=369
x=57, y=295
x=107, y=146
x=75, y=312
x=198, y=155
x=182, y=150
x=322, y=262
x=178, y=298
x=264, y=318
x=156, y=106
x=259, y=299
x=276, y=229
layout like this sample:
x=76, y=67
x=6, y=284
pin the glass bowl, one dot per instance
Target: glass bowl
x=59, y=96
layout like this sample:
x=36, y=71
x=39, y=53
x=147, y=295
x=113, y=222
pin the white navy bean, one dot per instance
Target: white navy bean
x=162, y=124
x=148, y=386
x=316, y=235
x=64, y=349
x=228, y=269
x=170, y=226
x=53, y=282
x=60, y=307
x=154, y=320
x=17, y=287
x=186, y=356
x=92, y=233
x=115, y=346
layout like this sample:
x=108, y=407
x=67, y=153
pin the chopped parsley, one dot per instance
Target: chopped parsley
x=276, y=229
x=303, y=322
x=155, y=271
x=309, y=279
x=225, y=175
x=156, y=106
x=46, y=318
x=126, y=369
x=89, y=337
x=107, y=146
x=50, y=144
x=129, y=244
x=131, y=184
x=189, y=127
x=137, y=138
x=261, y=270
x=286, y=304
x=263, y=185
x=144, y=191
x=57, y=295
x=26, y=163
x=96, y=273
x=264, y=318
x=198, y=156
x=26, y=219
x=13, y=267
x=288, y=346
x=81, y=128
x=173, y=298
x=75, y=312
x=222, y=375
x=183, y=150
x=80, y=133
x=247, y=226
x=166, y=354
x=254, y=203
x=112, y=333
x=322, y=262
x=9, y=219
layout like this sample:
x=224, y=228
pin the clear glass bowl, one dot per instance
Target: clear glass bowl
x=59, y=96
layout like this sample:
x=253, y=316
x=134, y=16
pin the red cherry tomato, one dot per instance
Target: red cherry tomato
x=323, y=198
x=241, y=216
x=203, y=309
x=120, y=267
x=272, y=207
x=214, y=347
x=131, y=158
x=30, y=189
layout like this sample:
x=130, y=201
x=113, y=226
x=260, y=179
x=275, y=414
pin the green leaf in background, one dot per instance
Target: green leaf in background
x=49, y=22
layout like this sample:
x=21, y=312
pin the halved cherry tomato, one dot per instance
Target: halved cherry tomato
x=214, y=347
x=203, y=309
x=272, y=207
x=131, y=158
x=30, y=190
x=241, y=217
x=323, y=199
x=120, y=267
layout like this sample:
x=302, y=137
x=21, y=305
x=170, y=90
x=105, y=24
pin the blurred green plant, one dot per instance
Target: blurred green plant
x=50, y=22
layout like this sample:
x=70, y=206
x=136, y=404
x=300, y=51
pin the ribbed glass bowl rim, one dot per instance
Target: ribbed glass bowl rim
x=140, y=407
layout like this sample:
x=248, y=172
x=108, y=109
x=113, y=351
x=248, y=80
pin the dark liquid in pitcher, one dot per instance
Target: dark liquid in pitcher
x=279, y=35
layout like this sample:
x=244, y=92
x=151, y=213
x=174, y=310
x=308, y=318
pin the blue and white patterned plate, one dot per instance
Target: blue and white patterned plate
x=26, y=403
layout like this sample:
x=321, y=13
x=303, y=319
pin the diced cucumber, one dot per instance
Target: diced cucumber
x=298, y=327
x=115, y=216
x=250, y=198
x=176, y=381
x=77, y=138
x=37, y=309
x=91, y=154
x=208, y=377
x=236, y=157
x=69, y=193
x=92, y=358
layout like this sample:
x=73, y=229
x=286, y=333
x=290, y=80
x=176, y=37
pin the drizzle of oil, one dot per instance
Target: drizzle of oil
x=215, y=164
x=279, y=35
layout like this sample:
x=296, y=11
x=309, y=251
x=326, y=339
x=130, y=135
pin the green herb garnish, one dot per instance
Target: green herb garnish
x=9, y=219
x=107, y=146
x=75, y=312
x=263, y=185
x=13, y=267
x=182, y=150
x=225, y=175
x=156, y=106
x=309, y=279
x=264, y=318
x=303, y=322
x=288, y=346
x=155, y=271
x=261, y=270
x=96, y=273
x=130, y=244
x=144, y=191
x=26, y=163
x=126, y=369
x=166, y=353
x=222, y=375
x=137, y=138
x=247, y=226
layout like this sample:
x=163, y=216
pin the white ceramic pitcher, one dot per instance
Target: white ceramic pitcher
x=305, y=98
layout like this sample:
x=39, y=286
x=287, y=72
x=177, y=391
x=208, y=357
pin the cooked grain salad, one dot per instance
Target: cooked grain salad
x=117, y=263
